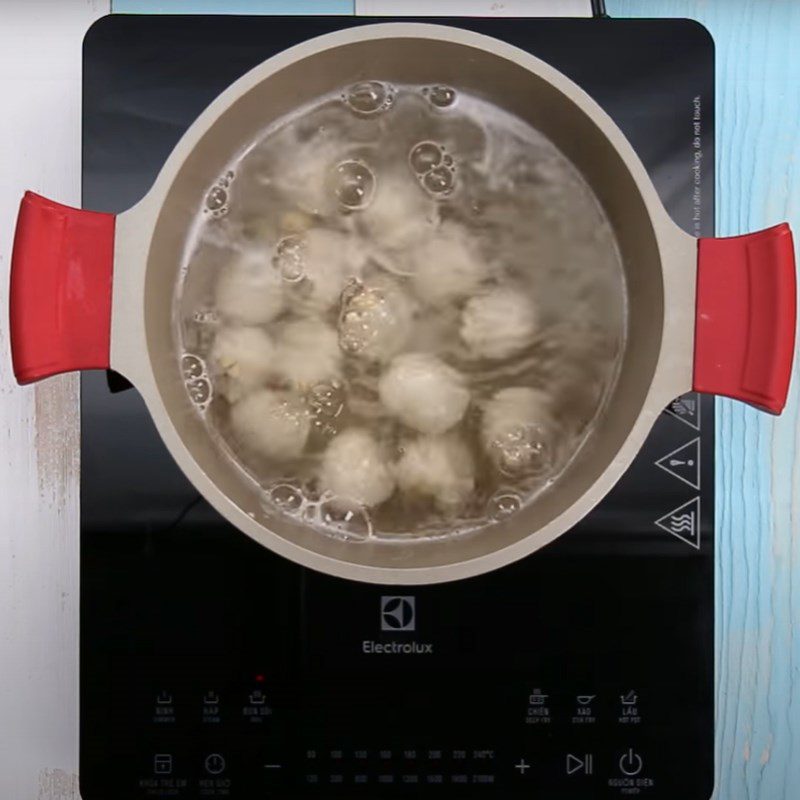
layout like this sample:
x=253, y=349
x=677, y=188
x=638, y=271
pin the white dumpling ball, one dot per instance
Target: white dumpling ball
x=270, y=423
x=307, y=353
x=423, y=392
x=326, y=259
x=400, y=213
x=355, y=471
x=376, y=319
x=447, y=267
x=249, y=290
x=438, y=467
x=498, y=323
x=305, y=174
x=240, y=360
x=518, y=431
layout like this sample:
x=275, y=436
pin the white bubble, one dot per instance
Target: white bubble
x=442, y=96
x=349, y=522
x=354, y=184
x=439, y=181
x=199, y=391
x=192, y=366
x=375, y=320
x=503, y=504
x=286, y=497
x=195, y=376
x=206, y=316
x=326, y=400
x=289, y=259
x=216, y=198
x=369, y=97
x=524, y=450
x=519, y=432
x=424, y=156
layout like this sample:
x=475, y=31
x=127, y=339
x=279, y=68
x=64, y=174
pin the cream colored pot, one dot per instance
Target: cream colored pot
x=91, y=290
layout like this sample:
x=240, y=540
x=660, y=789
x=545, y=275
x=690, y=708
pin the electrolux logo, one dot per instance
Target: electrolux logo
x=398, y=613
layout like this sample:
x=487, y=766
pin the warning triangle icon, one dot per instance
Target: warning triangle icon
x=683, y=463
x=683, y=522
x=686, y=408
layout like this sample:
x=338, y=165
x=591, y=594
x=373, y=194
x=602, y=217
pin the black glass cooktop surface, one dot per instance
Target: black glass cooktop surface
x=212, y=668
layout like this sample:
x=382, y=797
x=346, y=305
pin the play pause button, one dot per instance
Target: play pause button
x=580, y=765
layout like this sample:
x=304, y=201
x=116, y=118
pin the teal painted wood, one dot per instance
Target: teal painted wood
x=758, y=472
x=232, y=6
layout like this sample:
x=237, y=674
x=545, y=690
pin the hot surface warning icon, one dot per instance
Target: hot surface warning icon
x=683, y=522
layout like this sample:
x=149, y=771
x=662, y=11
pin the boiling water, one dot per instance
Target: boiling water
x=384, y=221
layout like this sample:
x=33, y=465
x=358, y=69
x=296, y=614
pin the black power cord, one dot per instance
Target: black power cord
x=599, y=8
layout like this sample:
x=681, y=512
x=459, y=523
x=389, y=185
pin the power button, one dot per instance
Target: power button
x=631, y=763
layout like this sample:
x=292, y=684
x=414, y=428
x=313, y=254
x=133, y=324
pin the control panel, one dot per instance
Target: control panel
x=334, y=736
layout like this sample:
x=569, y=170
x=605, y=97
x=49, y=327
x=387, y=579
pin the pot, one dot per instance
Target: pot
x=95, y=291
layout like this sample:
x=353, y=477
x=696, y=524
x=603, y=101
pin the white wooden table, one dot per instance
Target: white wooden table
x=40, y=60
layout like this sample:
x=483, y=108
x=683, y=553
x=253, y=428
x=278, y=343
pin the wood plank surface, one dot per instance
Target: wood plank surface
x=758, y=471
x=40, y=58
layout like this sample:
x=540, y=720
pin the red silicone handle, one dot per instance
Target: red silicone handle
x=746, y=317
x=60, y=298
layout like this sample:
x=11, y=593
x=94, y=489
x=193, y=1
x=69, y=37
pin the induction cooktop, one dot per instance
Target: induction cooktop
x=212, y=668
